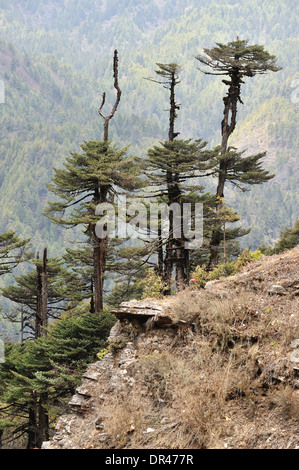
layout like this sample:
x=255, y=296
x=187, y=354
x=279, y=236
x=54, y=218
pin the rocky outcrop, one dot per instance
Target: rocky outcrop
x=140, y=323
x=150, y=312
x=254, y=315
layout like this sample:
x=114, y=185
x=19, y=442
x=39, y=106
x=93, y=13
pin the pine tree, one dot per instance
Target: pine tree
x=184, y=160
x=169, y=74
x=13, y=250
x=38, y=301
x=236, y=60
x=169, y=167
x=289, y=238
x=88, y=180
x=39, y=377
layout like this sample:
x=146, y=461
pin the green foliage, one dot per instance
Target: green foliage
x=201, y=276
x=75, y=339
x=185, y=158
x=51, y=365
x=244, y=170
x=102, y=353
x=13, y=251
x=152, y=285
x=289, y=238
x=246, y=257
x=223, y=270
x=249, y=60
x=89, y=177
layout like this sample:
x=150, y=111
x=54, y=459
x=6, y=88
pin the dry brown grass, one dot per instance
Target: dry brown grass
x=212, y=388
x=225, y=384
x=286, y=399
x=240, y=317
x=125, y=418
x=192, y=391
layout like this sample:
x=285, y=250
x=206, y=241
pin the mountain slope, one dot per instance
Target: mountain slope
x=208, y=368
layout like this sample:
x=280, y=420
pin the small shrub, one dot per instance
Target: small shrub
x=115, y=346
x=222, y=270
x=152, y=285
x=102, y=353
x=246, y=257
x=199, y=277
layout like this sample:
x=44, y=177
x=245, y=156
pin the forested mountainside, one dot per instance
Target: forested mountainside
x=49, y=110
x=226, y=137
x=56, y=61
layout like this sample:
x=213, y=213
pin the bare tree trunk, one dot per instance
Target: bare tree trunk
x=22, y=325
x=92, y=307
x=170, y=252
x=38, y=315
x=172, y=114
x=98, y=274
x=168, y=261
x=41, y=317
x=38, y=415
x=182, y=259
x=43, y=420
x=99, y=246
x=32, y=442
x=228, y=125
x=109, y=116
x=44, y=296
x=160, y=249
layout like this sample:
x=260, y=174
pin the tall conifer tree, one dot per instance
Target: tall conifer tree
x=169, y=167
x=87, y=180
x=235, y=60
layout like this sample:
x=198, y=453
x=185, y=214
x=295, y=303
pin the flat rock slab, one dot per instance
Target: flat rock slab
x=141, y=310
x=148, y=310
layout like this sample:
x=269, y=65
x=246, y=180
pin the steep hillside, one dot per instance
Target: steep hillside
x=210, y=368
x=55, y=109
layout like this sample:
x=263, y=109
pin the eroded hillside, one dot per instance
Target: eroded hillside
x=210, y=368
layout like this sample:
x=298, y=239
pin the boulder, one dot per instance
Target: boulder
x=295, y=357
x=276, y=289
